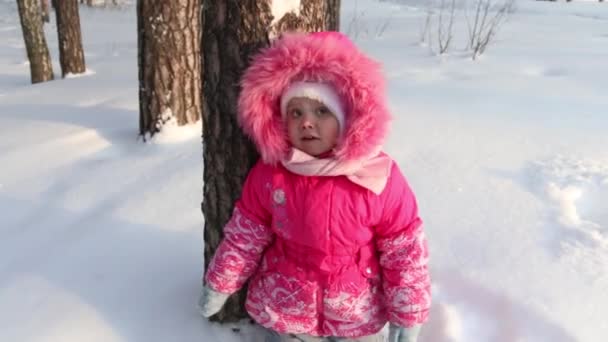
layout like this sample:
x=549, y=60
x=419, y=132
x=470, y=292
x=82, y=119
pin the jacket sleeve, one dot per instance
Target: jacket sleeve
x=403, y=255
x=246, y=235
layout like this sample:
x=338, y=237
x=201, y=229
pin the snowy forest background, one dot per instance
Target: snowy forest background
x=106, y=185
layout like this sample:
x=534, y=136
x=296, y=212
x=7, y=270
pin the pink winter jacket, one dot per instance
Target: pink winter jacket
x=324, y=256
x=328, y=257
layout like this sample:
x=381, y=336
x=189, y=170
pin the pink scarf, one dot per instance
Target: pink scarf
x=371, y=173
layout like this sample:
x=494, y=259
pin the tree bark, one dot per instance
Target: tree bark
x=44, y=4
x=233, y=30
x=315, y=15
x=169, y=63
x=41, y=68
x=332, y=15
x=71, y=55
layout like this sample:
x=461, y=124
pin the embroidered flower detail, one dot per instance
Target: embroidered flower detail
x=279, y=196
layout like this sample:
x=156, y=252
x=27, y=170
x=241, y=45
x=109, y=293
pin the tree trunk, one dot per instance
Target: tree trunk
x=44, y=4
x=169, y=63
x=315, y=15
x=71, y=55
x=41, y=68
x=332, y=15
x=233, y=30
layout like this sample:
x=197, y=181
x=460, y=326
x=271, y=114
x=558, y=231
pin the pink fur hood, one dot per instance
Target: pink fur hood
x=318, y=57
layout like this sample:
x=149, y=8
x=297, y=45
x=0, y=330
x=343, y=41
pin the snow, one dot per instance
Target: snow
x=279, y=8
x=101, y=234
x=87, y=72
x=172, y=133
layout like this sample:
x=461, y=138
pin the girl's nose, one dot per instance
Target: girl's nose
x=307, y=121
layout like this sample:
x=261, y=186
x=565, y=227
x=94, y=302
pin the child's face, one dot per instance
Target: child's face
x=311, y=126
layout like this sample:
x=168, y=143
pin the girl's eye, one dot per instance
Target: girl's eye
x=296, y=113
x=322, y=111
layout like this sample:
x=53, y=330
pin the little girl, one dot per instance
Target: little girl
x=327, y=228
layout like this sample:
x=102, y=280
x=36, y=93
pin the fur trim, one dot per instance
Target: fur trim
x=328, y=57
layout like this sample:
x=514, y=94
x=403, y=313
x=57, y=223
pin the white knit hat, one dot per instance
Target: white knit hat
x=321, y=92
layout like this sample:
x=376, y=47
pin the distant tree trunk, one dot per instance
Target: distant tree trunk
x=233, y=30
x=41, y=68
x=169, y=63
x=71, y=55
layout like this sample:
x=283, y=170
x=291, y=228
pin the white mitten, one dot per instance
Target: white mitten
x=211, y=302
x=401, y=334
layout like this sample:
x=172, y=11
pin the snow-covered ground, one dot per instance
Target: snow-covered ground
x=101, y=235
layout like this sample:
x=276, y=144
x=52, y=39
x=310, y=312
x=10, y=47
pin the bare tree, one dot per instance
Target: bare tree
x=484, y=27
x=71, y=54
x=41, y=68
x=444, y=23
x=444, y=33
x=233, y=30
x=425, y=32
x=357, y=26
x=169, y=63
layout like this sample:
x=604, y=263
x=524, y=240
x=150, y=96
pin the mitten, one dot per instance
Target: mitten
x=401, y=334
x=211, y=302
